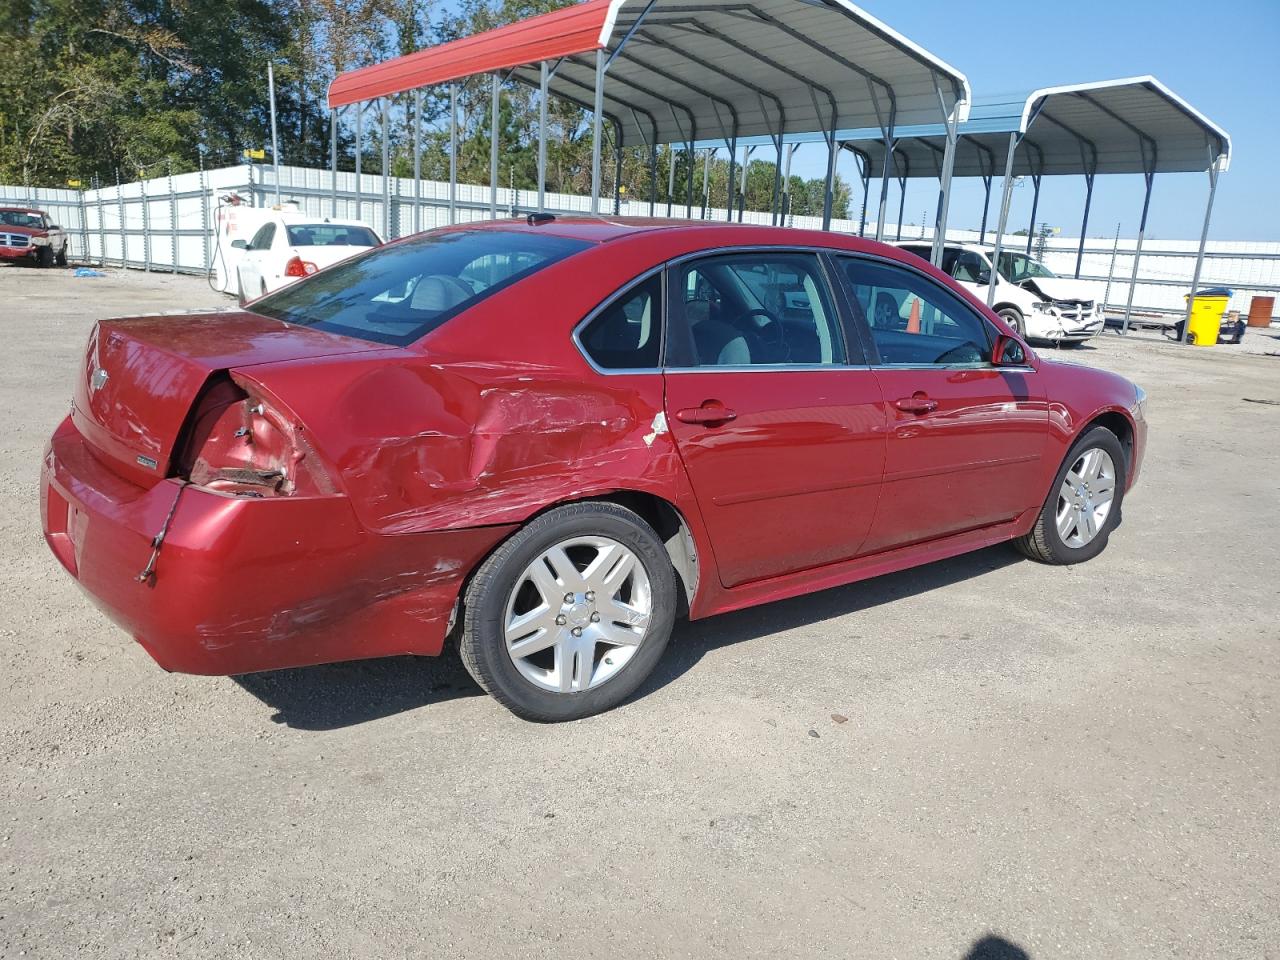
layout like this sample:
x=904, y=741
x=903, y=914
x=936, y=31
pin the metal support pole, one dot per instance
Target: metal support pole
x=1204, y=239
x=1035, y=206
x=102, y=224
x=543, y=79
x=333, y=163
x=204, y=222
x=146, y=225
x=671, y=175
x=865, y=174
x=495, y=101
x=1084, y=224
x=742, y=189
x=275, y=142
x=730, y=180
x=902, y=203
x=597, y=131
x=706, y=182
x=653, y=176
x=453, y=152
x=828, y=194
x=359, y=155
x=786, y=190
x=124, y=230
x=775, y=205
x=386, y=164
x=690, y=171
x=417, y=160
x=1137, y=253
x=617, y=170
x=948, y=165
x=1006, y=196
x=986, y=207
x=173, y=221
x=889, y=144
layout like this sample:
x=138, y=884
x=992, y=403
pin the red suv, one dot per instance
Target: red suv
x=550, y=439
x=28, y=236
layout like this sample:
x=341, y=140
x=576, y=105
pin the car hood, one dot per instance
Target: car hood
x=24, y=231
x=1060, y=288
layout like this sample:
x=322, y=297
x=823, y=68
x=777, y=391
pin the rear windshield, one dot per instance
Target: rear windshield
x=330, y=235
x=398, y=293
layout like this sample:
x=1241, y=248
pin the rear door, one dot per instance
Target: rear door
x=781, y=435
x=965, y=437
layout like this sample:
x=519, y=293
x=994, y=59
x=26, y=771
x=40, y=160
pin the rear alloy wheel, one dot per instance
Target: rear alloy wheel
x=1013, y=318
x=1084, y=505
x=570, y=615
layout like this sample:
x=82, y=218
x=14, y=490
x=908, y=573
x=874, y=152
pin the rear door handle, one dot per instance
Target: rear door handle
x=916, y=403
x=711, y=413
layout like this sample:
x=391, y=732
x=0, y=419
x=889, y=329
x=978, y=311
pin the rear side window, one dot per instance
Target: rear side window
x=398, y=293
x=627, y=334
x=330, y=235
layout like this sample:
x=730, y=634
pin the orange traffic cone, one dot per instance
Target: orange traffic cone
x=913, y=322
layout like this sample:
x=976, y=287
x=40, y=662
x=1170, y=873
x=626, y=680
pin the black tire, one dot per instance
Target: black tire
x=1013, y=317
x=240, y=298
x=1044, y=543
x=61, y=258
x=481, y=641
x=44, y=257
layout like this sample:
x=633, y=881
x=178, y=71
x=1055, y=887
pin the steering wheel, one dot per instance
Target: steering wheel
x=772, y=324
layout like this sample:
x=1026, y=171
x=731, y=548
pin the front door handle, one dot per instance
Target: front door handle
x=711, y=413
x=916, y=403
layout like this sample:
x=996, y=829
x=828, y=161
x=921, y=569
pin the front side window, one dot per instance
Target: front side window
x=398, y=293
x=757, y=309
x=262, y=239
x=627, y=334
x=913, y=321
x=969, y=267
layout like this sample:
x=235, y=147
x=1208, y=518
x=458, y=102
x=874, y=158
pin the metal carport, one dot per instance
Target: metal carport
x=1130, y=126
x=677, y=71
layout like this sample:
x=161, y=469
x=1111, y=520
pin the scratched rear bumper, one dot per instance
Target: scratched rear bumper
x=243, y=584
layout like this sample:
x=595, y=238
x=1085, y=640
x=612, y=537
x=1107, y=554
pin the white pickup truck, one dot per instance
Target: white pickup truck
x=1029, y=297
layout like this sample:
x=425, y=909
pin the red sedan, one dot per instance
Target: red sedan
x=550, y=439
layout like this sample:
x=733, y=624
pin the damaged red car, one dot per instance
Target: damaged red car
x=550, y=439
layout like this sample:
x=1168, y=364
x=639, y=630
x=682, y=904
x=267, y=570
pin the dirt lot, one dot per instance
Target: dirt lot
x=1083, y=762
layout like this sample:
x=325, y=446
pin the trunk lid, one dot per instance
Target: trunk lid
x=141, y=376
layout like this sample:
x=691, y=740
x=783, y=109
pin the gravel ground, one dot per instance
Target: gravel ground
x=1078, y=762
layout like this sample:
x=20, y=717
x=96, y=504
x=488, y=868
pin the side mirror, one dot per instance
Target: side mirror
x=54, y=226
x=1009, y=352
x=239, y=245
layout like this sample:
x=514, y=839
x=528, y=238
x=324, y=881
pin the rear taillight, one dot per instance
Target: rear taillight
x=239, y=442
x=297, y=267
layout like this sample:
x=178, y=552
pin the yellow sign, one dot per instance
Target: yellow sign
x=255, y=154
x=74, y=183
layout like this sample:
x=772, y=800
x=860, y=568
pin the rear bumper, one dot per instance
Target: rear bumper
x=244, y=584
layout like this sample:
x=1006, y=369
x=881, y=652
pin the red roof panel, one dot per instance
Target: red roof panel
x=560, y=33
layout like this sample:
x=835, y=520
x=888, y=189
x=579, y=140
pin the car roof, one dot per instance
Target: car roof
x=21, y=210
x=290, y=218
x=709, y=233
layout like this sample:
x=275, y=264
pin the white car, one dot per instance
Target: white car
x=1029, y=297
x=291, y=246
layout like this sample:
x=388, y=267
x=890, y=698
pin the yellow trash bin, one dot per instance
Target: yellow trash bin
x=1206, y=315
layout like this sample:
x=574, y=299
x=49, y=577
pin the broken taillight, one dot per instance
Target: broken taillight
x=239, y=442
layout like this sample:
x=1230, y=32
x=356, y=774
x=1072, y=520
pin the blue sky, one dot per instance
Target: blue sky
x=1221, y=57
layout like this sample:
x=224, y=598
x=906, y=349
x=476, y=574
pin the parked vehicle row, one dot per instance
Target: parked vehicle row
x=547, y=440
x=1029, y=297
x=29, y=236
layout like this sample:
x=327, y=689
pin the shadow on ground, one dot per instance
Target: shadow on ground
x=996, y=948
x=338, y=695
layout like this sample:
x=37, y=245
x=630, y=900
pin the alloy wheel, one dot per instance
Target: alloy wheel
x=1085, y=497
x=577, y=614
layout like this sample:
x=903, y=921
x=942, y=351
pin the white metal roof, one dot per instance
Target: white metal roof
x=691, y=67
x=1108, y=125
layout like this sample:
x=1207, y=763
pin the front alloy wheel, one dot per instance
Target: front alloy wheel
x=1085, y=497
x=571, y=613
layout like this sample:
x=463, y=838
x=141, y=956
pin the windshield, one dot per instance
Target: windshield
x=330, y=235
x=398, y=293
x=1015, y=267
x=21, y=218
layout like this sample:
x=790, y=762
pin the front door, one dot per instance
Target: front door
x=965, y=437
x=782, y=439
